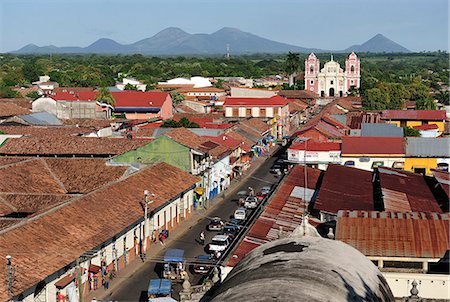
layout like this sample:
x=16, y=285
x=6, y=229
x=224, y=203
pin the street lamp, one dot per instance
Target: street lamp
x=10, y=276
x=146, y=203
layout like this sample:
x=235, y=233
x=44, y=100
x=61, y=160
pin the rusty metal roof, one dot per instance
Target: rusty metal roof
x=345, y=188
x=390, y=234
x=406, y=192
x=282, y=211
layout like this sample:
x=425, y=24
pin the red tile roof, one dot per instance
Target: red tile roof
x=140, y=98
x=8, y=109
x=37, y=131
x=426, y=127
x=225, y=140
x=406, y=192
x=82, y=146
x=345, y=188
x=73, y=96
x=359, y=145
x=311, y=145
x=388, y=234
x=193, y=141
x=429, y=115
x=275, y=101
x=283, y=210
x=64, y=234
x=256, y=124
x=298, y=94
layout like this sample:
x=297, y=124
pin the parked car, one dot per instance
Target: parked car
x=216, y=224
x=219, y=243
x=231, y=230
x=275, y=169
x=235, y=222
x=265, y=190
x=203, y=264
x=240, y=214
x=251, y=202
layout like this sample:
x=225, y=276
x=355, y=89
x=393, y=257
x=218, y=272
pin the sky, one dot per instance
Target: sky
x=326, y=24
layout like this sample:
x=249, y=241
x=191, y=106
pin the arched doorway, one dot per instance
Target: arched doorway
x=331, y=92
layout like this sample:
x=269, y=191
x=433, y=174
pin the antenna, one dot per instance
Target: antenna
x=228, y=52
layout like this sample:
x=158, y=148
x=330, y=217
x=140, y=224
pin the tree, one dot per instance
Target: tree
x=177, y=98
x=129, y=86
x=408, y=131
x=105, y=96
x=292, y=66
x=426, y=103
x=219, y=84
x=443, y=97
x=183, y=122
x=6, y=92
x=33, y=95
x=377, y=99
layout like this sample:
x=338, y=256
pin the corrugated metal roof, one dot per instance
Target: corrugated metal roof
x=41, y=118
x=282, y=211
x=345, y=188
x=389, y=234
x=405, y=192
x=427, y=147
x=429, y=115
x=384, y=130
x=354, y=145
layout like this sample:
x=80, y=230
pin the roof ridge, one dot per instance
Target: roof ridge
x=70, y=201
x=52, y=173
x=7, y=203
x=18, y=162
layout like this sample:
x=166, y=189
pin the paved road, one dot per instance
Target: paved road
x=135, y=288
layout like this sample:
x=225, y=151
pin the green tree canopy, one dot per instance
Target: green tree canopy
x=105, y=96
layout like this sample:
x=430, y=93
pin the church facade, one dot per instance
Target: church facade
x=332, y=80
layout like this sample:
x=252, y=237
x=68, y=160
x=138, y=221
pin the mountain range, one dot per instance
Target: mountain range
x=175, y=41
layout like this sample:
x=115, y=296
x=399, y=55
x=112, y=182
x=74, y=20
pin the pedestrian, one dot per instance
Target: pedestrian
x=162, y=237
x=106, y=282
x=202, y=238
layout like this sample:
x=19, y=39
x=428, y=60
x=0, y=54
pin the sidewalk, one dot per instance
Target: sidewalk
x=156, y=248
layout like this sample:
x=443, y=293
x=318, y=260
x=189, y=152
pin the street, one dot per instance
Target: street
x=135, y=288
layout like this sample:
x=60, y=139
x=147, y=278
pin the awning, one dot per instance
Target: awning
x=94, y=268
x=64, y=281
x=199, y=190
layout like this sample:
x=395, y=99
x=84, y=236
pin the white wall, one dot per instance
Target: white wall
x=388, y=161
x=44, y=104
x=314, y=156
x=429, y=286
x=237, y=92
x=50, y=291
x=228, y=112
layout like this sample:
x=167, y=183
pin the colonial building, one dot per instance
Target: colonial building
x=331, y=80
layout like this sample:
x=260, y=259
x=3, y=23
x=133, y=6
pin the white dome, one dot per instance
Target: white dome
x=200, y=82
x=311, y=269
x=179, y=81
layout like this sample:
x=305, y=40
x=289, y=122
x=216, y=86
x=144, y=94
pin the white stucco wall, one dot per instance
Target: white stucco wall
x=430, y=286
x=44, y=104
x=367, y=165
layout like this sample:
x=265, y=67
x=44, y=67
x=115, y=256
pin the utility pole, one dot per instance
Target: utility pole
x=79, y=280
x=146, y=228
x=10, y=277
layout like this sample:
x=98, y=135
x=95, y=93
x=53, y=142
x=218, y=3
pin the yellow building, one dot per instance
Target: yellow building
x=411, y=118
x=422, y=154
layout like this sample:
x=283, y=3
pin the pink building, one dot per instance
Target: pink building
x=331, y=80
x=139, y=105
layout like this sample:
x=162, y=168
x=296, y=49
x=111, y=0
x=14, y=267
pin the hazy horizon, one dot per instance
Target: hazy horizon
x=329, y=25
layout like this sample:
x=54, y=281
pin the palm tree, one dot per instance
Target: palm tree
x=105, y=96
x=292, y=66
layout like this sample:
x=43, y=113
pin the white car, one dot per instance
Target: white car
x=251, y=202
x=240, y=214
x=219, y=243
x=265, y=190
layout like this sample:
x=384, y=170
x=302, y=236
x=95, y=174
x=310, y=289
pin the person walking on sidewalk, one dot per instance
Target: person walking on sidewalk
x=202, y=238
